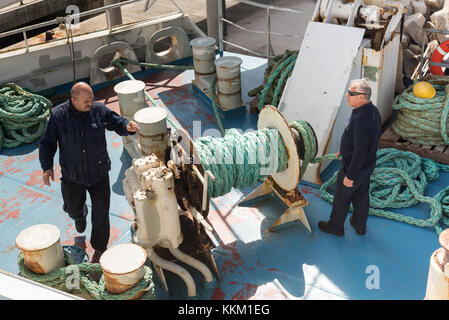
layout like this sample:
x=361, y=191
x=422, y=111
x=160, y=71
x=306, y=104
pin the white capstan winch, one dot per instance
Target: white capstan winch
x=150, y=190
x=438, y=279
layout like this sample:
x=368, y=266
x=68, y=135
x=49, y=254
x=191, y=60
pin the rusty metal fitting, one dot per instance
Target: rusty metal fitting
x=443, y=258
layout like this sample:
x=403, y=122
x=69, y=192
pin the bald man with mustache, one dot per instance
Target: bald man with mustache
x=78, y=127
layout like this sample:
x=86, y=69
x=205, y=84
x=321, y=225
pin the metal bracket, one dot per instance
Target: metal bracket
x=293, y=199
x=355, y=10
x=203, y=180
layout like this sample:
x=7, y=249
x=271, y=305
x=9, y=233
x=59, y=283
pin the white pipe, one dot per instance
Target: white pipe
x=201, y=267
x=170, y=266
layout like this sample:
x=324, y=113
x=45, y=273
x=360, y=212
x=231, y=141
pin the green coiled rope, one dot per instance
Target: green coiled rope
x=278, y=70
x=422, y=120
x=240, y=160
x=399, y=181
x=23, y=116
x=58, y=279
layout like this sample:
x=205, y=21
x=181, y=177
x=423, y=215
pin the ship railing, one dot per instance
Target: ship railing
x=76, y=16
x=425, y=60
x=269, y=54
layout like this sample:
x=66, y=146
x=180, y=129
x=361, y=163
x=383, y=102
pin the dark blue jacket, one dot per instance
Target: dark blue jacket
x=359, y=142
x=83, y=155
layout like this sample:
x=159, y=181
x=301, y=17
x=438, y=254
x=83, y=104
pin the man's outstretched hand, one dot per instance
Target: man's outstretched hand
x=47, y=175
x=132, y=127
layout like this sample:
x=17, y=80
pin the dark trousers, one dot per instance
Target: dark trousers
x=358, y=194
x=74, y=196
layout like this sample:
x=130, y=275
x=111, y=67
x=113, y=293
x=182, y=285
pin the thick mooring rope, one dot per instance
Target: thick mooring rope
x=278, y=70
x=58, y=279
x=240, y=160
x=422, y=120
x=400, y=181
x=23, y=116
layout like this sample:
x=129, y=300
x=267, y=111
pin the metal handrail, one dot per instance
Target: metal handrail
x=245, y=49
x=70, y=17
x=419, y=69
x=11, y=2
x=260, y=32
x=271, y=7
x=268, y=31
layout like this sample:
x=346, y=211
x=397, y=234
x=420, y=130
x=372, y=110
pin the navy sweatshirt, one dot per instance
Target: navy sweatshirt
x=81, y=139
x=359, y=141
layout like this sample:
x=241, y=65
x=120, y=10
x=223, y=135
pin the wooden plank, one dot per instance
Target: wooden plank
x=426, y=148
x=440, y=148
x=390, y=139
x=388, y=135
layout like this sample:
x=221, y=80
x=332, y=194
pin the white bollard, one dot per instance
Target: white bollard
x=438, y=279
x=228, y=82
x=131, y=96
x=123, y=267
x=41, y=248
x=152, y=133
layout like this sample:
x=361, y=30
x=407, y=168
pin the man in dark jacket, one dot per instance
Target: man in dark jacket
x=78, y=127
x=358, y=151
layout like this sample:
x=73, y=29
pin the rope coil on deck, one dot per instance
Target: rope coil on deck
x=23, y=116
x=399, y=181
x=58, y=279
x=423, y=120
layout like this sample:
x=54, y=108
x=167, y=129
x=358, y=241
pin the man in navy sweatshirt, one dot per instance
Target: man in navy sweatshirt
x=358, y=148
x=78, y=126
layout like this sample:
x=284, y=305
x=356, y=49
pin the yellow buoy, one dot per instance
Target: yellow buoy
x=424, y=89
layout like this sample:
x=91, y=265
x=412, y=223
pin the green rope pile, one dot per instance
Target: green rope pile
x=399, y=181
x=275, y=76
x=23, y=116
x=422, y=120
x=237, y=160
x=97, y=291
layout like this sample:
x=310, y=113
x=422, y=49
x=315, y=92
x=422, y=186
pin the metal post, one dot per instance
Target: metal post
x=220, y=27
x=422, y=54
x=212, y=18
x=268, y=35
x=108, y=21
x=26, y=41
x=115, y=15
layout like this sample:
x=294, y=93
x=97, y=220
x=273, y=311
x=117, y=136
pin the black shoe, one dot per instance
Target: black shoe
x=96, y=257
x=326, y=227
x=80, y=225
x=357, y=230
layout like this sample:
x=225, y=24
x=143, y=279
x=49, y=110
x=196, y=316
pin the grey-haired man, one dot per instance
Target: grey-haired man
x=358, y=151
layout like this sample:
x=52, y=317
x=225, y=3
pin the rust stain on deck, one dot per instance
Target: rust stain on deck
x=234, y=262
x=218, y=294
x=248, y=290
x=32, y=195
